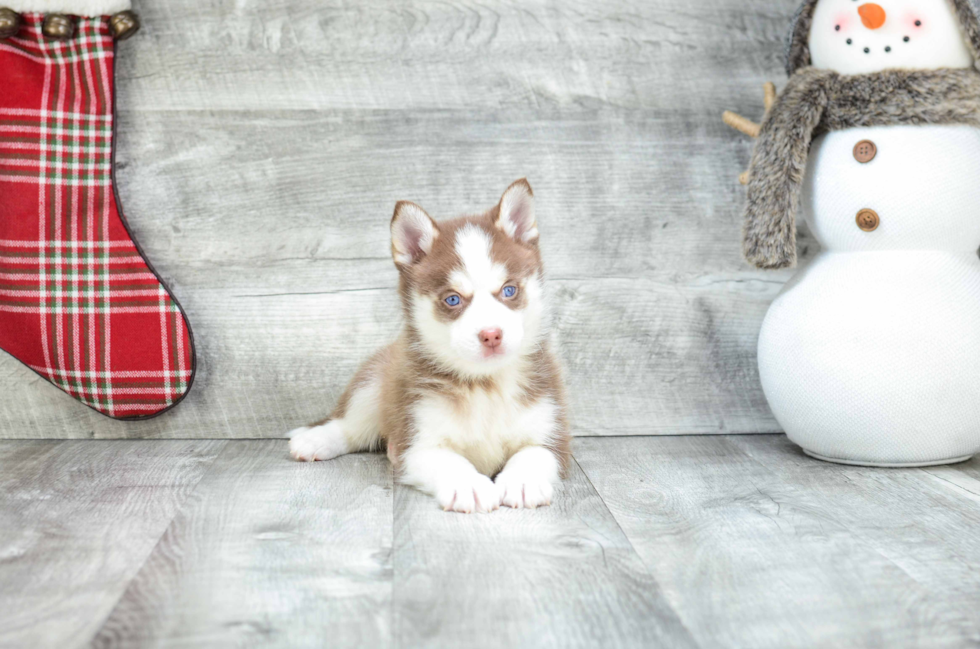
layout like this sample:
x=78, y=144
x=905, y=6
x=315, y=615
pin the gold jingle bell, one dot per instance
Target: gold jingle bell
x=124, y=24
x=58, y=27
x=10, y=22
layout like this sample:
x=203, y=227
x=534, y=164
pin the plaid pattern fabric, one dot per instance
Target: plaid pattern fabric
x=78, y=303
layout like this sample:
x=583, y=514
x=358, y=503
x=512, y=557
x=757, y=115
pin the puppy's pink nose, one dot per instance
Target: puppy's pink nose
x=491, y=337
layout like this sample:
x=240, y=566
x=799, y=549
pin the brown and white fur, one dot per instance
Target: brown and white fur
x=468, y=391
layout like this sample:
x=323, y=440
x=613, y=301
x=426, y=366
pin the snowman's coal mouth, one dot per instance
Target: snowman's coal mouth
x=887, y=49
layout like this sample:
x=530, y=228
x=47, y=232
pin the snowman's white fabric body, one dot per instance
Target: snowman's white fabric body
x=871, y=353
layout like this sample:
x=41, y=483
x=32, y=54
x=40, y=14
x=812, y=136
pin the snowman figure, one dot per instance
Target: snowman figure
x=871, y=353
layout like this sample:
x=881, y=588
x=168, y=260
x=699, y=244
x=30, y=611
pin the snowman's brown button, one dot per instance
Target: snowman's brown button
x=865, y=151
x=868, y=220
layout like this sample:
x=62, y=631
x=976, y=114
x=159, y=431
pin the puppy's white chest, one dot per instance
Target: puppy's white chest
x=485, y=427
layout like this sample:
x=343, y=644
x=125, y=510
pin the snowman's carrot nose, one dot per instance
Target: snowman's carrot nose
x=872, y=15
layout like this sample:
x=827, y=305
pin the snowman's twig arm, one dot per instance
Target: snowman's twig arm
x=740, y=123
x=769, y=94
x=747, y=126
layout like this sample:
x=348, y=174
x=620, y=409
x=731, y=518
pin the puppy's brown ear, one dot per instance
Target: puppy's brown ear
x=412, y=234
x=516, y=213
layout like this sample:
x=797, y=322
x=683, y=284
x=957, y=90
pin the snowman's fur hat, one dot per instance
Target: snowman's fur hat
x=798, y=48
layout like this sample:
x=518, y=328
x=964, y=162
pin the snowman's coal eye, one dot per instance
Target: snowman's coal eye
x=918, y=23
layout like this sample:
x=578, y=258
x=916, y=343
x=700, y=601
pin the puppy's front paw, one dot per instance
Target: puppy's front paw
x=522, y=489
x=469, y=493
x=318, y=443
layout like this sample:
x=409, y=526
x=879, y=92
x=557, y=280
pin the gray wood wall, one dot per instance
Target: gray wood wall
x=262, y=146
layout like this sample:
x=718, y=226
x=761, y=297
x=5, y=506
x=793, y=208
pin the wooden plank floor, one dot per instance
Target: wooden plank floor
x=652, y=541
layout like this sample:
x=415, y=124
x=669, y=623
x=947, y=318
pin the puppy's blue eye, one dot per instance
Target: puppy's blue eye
x=452, y=300
x=510, y=291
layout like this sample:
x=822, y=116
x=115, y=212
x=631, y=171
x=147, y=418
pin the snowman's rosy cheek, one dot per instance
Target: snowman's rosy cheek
x=843, y=22
x=913, y=23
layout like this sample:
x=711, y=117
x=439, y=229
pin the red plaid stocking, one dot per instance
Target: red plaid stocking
x=79, y=304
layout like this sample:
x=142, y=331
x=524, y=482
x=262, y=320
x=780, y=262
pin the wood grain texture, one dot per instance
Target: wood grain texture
x=757, y=545
x=560, y=576
x=77, y=520
x=268, y=552
x=262, y=147
x=659, y=541
x=961, y=474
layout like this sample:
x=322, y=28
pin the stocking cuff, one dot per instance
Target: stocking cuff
x=74, y=7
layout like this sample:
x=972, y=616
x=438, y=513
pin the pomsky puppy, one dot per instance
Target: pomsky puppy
x=470, y=389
